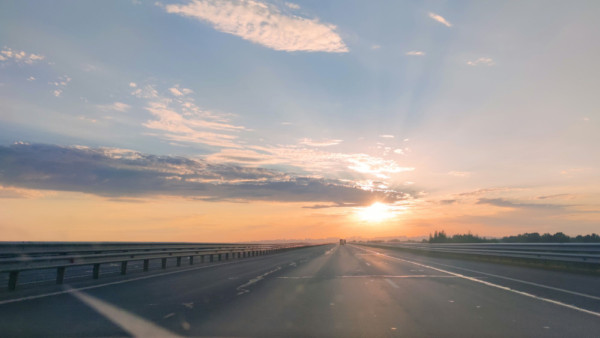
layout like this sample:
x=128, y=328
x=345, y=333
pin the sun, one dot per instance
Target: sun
x=376, y=212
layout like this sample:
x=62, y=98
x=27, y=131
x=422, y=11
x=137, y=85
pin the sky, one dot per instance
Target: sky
x=232, y=121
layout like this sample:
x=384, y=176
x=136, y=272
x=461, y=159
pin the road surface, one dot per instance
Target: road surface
x=349, y=291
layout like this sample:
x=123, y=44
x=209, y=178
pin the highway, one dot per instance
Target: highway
x=331, y=290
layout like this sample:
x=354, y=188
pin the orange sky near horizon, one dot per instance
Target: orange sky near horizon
x=74, y=216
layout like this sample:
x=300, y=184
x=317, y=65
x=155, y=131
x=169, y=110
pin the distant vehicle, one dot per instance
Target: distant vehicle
x=342, y=241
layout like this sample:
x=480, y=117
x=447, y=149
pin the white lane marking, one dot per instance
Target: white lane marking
x=397, y=276
x=189, y=305
x=390, y=282
x=169, y=315
x=134, y=325
x=524, y=282
x=330, y=251
x=498, y=286
x=69, y=290
x=371, y=276
x=242, y=289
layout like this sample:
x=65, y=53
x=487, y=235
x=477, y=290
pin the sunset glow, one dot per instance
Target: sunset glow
x=261, y=120
x=375, y=213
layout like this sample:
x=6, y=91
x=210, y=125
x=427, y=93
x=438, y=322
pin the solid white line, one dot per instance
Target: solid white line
x=522, y=293
x=371, y=276
x=16, y=300
x=524, y=282
x=396, y=276
x=134, y=325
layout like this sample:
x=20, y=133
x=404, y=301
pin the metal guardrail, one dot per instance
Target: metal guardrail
x=559, y=252
x=17, y=257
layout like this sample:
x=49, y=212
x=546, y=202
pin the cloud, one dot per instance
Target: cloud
x=386, y=136
x=501, y=202
x=292, y=5
x=8, y=54
x=121, y=173
x=117, y=106
x=180, y=119
x=375, y=47
x=177, y=127
x=175, y=92
x=484, y=61
x=557, y=196
x=365, y=164
x=132, y=84
x=415, y=53
x=264, y=24
x=322, y=143
x=60, y=83
x=486, y=191
x=439, y=19
x=12, y=192
x=313, y=161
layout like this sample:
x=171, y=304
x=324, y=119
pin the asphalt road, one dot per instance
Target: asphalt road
x=319, y=291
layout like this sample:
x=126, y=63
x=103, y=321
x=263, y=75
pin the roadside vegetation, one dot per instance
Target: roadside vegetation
x=534, y=237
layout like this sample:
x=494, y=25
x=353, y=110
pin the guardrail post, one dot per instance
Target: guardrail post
x=191, y=260
x=123, y=267
x=219, y=257
x=60, y=274
x=96, y=271
x=12, y=280
x=211, y=258
x=146, y=264
x=164, y=263
x=178, y=261
x=201, y=258
x=227, y=256
x=239, y=255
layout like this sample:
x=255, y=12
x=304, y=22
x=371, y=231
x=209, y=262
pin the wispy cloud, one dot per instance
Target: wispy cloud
x=440, y=19
x=483, y=61
x=321, y=143
x=264, y=24
x=178, y=127
x=486, y=191
x=415, y=53
x=313, y=161
x=292, y=5
x=12, y=192
x=180, y=119
x=500, y=202
x=557, y=197
x=176, y=91
x=117, y=106
x=386, y=136
x=8, y=54
x=124, y=173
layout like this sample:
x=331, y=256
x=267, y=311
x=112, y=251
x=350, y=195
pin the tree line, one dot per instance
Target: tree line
x=534, y=237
